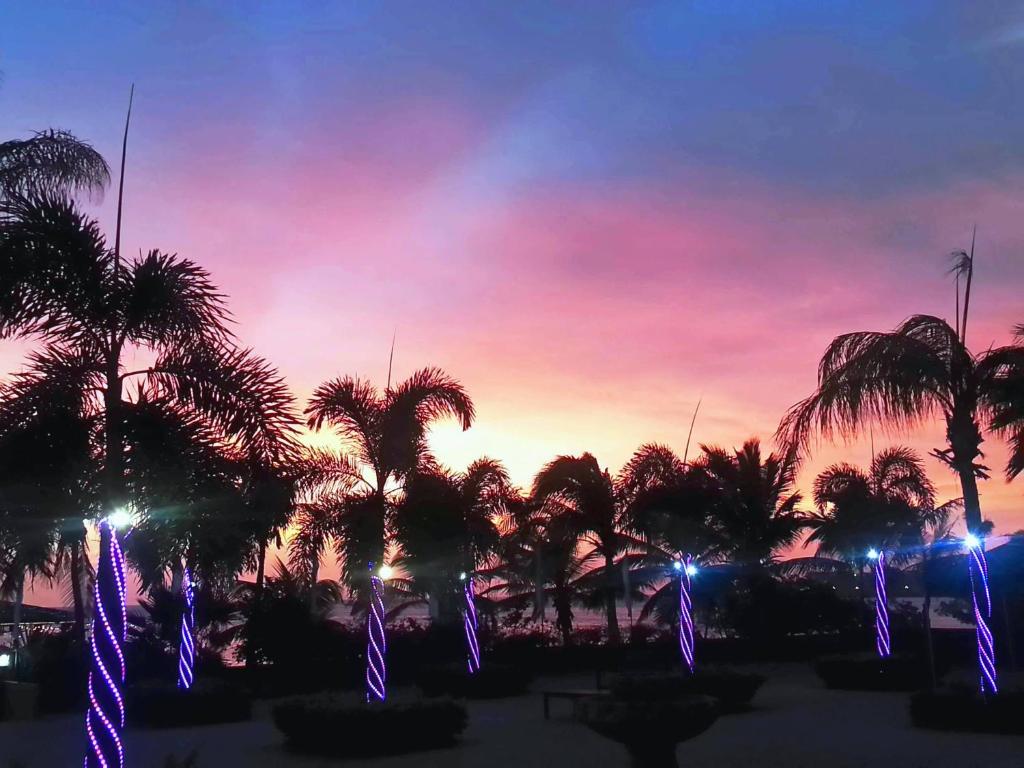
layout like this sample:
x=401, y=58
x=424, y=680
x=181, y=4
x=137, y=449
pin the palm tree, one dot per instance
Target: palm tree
x=445, y=527
x=51, y=161
x=537, y=561
x=669, y=512
x=755, y=513
x=756, y=505
x=576, y=490
x=887, y=508
x=60, y=283
x=903, y=377
x=384, y=436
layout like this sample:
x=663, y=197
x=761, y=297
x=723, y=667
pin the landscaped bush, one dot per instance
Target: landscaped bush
x=342, y=726
x=56, y=663
x=868, y=672
x=964, y=709
x=734, y=690
x=162, y=705
x=649, y=730
x=492, y=681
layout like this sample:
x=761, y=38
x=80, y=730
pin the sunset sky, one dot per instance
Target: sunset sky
x=592, y=214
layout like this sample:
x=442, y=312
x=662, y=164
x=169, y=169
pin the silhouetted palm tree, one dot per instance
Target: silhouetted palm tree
x=538, y=561
x=670, y=515
x=756, y=505
x=60, y=283
x=920, y=369
x=51, y=162
x=886, y=508
x=582, y=495
x=384, y=436
x=445, y=527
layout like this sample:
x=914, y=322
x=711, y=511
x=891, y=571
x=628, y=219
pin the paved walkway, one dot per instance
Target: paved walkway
x=796, y=724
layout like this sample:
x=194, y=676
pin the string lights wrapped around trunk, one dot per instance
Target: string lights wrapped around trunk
x=686, y=569
x=187, y=649
x=104, y=721
x=469, y=621
x=882, y=641
x=376, y=646
x=982, y=601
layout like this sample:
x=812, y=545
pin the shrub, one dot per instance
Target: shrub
x=492, y=681
x=868, y=672
x=337, y=726
x=57, y=662
x=649, y=730
x=961, y=709
x=160, y=704
x=734, y=690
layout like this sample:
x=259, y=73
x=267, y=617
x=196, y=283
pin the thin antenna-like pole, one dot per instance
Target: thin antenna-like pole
x=120, y=185
x=967, y=290
x=686, y=451
x=391, y=357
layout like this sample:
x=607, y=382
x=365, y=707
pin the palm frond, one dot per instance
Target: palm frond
x=51, y=161
x=896, y=379
x=170, y=300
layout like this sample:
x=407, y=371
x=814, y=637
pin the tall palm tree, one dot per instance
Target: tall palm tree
x=384, y=443
x=51, y=161
x=669, y=512
x=888, y=507
x=61, y=284
x=538, y=561
x=445, y=526
x=756, y=510
x=756, y=514
x=903, y=377
x=577, y=490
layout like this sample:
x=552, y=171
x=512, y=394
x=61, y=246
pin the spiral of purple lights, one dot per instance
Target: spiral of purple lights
x=686, y=569
x=187, y=649
x=469, y=620
x=982, y=601
x=882, y=642
x=376, y=647
x=104, y=720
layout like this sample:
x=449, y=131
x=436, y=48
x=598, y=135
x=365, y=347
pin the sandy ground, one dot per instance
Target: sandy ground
x=795, y=724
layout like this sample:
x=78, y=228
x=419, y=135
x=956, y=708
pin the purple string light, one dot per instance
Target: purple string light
x=376, y=647
x=104, y=720
x=882, y=642
x=187, y=649
x=686, y=570
x=469, y=621
x=982, y=600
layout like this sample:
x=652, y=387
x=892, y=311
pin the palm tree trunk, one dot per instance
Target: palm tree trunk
x=77, y=599
x=563, y=616
x=614, y=638
x=972, y=502
x=114, y=457
x=19, y=600
x=261, y=568
x=314, y=577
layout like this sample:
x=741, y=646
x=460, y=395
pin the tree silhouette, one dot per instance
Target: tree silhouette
x=60, y=283
x=51, y=162
x=384, y=443
x=445, y=526
x=901, y=378
x=886, y=508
